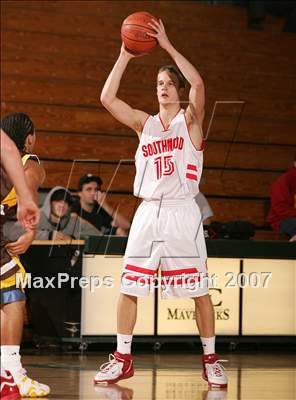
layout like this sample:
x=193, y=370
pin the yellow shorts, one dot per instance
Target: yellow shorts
x=10, y=292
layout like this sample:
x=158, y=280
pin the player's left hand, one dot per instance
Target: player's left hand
x=28, y=213
x=160, y=34
x=22, y=244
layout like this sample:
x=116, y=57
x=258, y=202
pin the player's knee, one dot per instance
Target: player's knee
x=13, y=308
x=200, y=301
x=128, y=297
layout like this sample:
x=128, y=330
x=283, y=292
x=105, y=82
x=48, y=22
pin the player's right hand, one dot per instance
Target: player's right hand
x=128, y=54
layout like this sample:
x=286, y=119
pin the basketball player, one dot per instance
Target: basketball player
x=28, y=216
x=20, y=129
x=165, y=231
x=27, y=211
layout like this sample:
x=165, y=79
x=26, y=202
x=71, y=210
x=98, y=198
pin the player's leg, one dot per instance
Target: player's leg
x=126, y=320
x=126, y=314
x=213, y=371
x=12, y=318
x=205, y=319
x=186, y=262
x=9, y=389
x=120, y=365
x=140, y=265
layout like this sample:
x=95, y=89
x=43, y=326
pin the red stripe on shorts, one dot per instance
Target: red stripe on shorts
x=179, y=272
x=140, y=269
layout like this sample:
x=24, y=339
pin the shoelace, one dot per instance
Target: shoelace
x=218, y=368
x=109, y=364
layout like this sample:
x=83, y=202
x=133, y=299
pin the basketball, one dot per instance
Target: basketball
x=134, y=33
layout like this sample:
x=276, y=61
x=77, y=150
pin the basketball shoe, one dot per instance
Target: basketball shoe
x=9, y=390
x=28, y=387
x=213, y=371
x=119, y=366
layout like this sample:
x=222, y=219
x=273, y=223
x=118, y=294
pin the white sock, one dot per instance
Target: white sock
x=11, y=359
x=124, y=343
x=208, y=344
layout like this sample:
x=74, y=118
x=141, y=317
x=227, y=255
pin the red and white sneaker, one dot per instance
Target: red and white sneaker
x=119, y=366
x=214, y=372
x=9, y=389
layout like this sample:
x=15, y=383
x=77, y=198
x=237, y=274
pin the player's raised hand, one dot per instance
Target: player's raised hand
x=28, y=213
x=160, y=34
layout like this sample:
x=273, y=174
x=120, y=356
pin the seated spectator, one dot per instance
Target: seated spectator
x=93, y=207
x=205, y=208
x=56, y=220
x=282, y=213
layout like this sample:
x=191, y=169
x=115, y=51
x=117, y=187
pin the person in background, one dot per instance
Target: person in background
x=93, y=207
x=282, y=213
x=56, y=220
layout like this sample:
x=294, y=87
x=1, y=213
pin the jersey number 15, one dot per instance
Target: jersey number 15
x=164, y=166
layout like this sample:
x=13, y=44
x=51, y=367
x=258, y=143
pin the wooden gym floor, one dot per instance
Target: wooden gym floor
x=168, y=376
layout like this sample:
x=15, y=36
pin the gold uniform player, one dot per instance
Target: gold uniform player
x=20, y=129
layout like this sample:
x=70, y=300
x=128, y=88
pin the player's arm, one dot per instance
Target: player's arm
x=34, y=175
x=11, y=161
x=134, y=119
x=195, y=111
x=27, y=211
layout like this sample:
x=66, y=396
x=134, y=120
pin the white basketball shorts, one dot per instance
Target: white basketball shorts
x=166, y=235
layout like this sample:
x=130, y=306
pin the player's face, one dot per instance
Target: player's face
x=59, y=208
x=89, y=192
x=167, y=89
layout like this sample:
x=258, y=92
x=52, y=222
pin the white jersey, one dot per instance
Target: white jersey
x=167, y=163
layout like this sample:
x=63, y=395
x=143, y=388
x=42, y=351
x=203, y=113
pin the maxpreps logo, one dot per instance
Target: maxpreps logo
x=221, y=314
